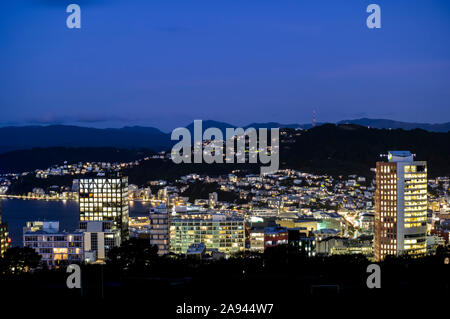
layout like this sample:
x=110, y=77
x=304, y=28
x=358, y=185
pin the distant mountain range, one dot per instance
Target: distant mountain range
x=135, y=137
x=390, y=124
x=27, y=137
x=223, y=126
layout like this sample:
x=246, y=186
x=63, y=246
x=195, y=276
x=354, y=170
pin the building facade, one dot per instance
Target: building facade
x=56, y=248
x=217, y=231
x=159, y=229
x=400, y=206
x=274, y=236
x=99, y=238
x=4, y=239
x=298, y=241
x=102, y=199
x=256, y=239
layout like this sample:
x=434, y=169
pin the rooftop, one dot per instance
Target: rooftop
x=400, y=156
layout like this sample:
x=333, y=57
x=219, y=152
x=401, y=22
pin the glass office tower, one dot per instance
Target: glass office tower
x=105, y=198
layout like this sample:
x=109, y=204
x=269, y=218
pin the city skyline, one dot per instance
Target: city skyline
x=379, y=123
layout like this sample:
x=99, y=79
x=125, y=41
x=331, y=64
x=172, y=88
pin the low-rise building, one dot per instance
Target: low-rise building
x=345, y=246
x=99, y=238
x=309, y=224
x=274, y=236
x=256, y=239
x=55, y=247
x=300, y=242
x=196, y=250
x=217, y=231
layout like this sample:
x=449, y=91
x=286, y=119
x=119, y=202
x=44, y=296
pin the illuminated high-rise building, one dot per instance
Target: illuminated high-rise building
x=4, y=240
x=400, y=206
x=105, y=198
x=159, y=228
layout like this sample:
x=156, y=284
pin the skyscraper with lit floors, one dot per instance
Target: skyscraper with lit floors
x=4, y=239
x=159, y=228
x=400, y=206
x=105, y=198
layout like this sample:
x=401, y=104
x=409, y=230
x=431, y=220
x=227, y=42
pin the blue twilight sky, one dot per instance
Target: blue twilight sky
x=164, y=63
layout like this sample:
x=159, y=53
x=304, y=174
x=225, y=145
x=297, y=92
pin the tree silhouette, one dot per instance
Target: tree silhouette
x=18, y=260
x=134, y=255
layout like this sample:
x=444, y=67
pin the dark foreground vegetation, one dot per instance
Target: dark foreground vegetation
x=136, y=277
